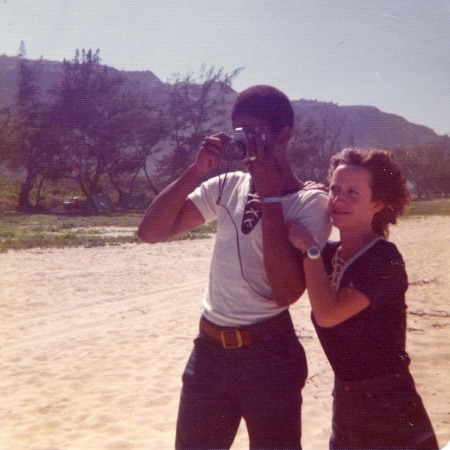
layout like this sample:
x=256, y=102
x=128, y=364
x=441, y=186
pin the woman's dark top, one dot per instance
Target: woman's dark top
x=372, y=342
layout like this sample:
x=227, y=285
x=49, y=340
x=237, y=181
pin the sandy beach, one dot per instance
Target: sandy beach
x=94, y=341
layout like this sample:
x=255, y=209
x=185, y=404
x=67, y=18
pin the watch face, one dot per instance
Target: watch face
x=313, y=252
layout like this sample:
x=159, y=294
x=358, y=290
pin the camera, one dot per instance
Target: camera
x=237, y=147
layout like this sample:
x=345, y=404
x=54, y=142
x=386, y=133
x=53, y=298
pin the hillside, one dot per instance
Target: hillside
x=366, y=125
x=360, y=125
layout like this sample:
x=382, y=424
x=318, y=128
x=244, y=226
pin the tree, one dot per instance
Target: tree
x=304, y=145
x=26, y=139
x=427, y=167
x=22, y=50
x=89, y=129
x=7, y=135
x=30, y=146
x=145, y=126
x=197, y=107
x=88, y=112
x=105, y=130
x=313, y=143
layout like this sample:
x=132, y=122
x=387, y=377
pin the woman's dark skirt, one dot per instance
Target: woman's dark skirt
x=385, y=412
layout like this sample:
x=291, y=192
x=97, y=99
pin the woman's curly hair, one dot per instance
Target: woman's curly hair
x=388, y=183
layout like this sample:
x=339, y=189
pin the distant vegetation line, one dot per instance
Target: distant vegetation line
x=25, y=232
x=78, y=131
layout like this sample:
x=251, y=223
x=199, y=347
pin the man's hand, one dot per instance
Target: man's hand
x=314, y=185
x=264, y=168
x=210, y=153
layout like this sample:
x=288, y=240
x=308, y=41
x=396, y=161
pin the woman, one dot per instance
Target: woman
x=357, y=291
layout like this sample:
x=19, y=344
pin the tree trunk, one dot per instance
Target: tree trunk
x=38, y=194
x=155, y=191
x=133, y=179
x=116, y=187
x=24, y=204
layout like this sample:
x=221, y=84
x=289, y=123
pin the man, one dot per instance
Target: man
x=247, y=361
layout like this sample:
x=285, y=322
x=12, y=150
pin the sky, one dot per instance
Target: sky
x=391, y=54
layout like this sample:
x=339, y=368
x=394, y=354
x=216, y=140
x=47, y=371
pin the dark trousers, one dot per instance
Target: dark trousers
x=261, y=383
x=385, y=412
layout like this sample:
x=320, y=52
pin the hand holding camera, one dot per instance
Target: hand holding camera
x=243, y=145
x=210, y=153
x=248, y=146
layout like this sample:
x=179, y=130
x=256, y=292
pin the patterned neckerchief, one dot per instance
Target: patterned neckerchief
x=252, y=212
x=253, y=209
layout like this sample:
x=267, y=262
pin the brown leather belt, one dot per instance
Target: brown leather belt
x=228, y=337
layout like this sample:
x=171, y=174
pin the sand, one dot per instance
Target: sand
x=94, y=341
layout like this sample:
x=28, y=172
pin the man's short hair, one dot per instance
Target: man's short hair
x=266, y=103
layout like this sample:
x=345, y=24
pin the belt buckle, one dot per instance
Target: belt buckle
x=237, y=338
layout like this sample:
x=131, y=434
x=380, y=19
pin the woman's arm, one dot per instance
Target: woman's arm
x=329, y=308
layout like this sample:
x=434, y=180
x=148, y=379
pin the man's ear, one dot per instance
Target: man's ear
x=284, y=135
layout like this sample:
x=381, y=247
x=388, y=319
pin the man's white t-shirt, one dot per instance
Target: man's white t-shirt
x=238, y=292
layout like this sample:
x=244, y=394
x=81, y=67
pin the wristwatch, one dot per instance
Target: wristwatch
x=313, y=252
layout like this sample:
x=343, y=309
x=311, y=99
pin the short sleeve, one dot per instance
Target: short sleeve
x=312, y=211
x=380, y=275
x=205, y=197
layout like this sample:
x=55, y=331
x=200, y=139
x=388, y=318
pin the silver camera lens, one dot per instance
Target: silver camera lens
x=236, y=148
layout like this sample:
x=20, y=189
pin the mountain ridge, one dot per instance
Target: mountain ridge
x=360, y=125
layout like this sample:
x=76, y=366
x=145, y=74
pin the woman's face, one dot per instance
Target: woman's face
x=350, y=199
